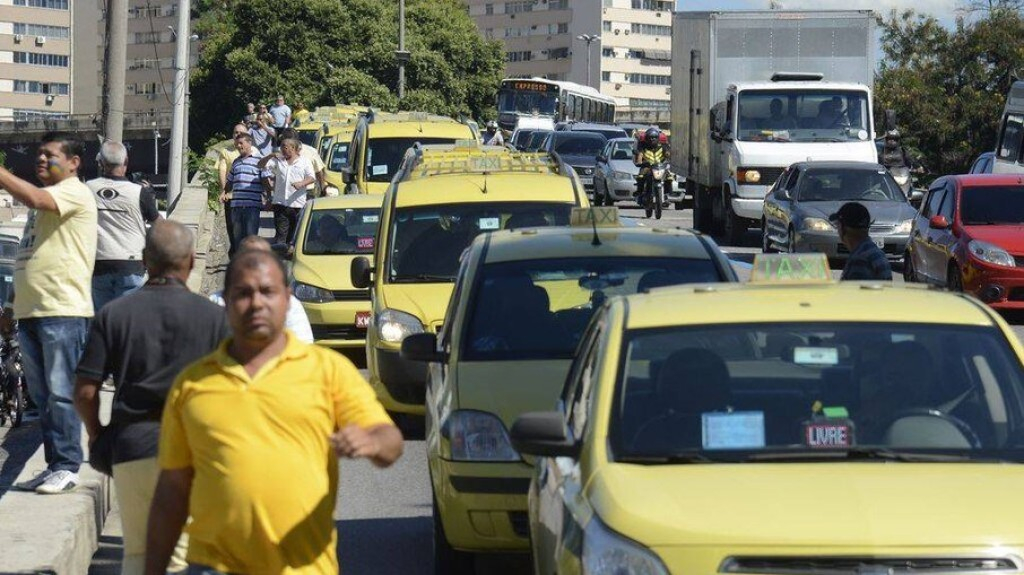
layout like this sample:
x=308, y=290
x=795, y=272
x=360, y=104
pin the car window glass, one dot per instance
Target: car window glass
x=445, y=332
x=947, y=205
x=934, y=198
x=587, y=375
x=1010, y=140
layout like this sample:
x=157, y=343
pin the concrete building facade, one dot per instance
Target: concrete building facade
x=631, y=62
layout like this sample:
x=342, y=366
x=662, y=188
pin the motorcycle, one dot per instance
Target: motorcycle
x=13, y=389
x=906, y=181
x=650, y=184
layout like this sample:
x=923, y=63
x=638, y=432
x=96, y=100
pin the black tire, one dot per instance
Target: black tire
x=791, y=241
x=679, y=206
x=448, y=560
x=701, y=209
x=954, y=279
x=909, y=274
x=18, y=398
x=658, y=203
x=766, y=242
x=734, y=227
x=598, y=198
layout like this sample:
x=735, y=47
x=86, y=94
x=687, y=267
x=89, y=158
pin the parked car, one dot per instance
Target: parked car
x=579, y=150
x=967, y=237
x=537, y=140
x=607, y=130
x=983, y=165
x=797, y=207
x=615, y=173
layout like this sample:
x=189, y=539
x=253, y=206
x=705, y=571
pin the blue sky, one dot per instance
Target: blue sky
x=942, y=9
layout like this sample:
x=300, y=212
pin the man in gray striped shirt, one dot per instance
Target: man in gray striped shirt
x=247, y=196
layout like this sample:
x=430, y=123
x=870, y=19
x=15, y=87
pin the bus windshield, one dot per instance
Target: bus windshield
x=524, y=102
x=803, y=116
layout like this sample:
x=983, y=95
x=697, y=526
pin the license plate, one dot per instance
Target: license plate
x=362, y=319
x=879, y=243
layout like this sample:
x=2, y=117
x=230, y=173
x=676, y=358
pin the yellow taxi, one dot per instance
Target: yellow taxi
x=308, y=131
x=442, y=198
x=522, y=301
x=381, y=140
x=336, y=157
x=332, y=232
x=331, y=132
x=787, y=426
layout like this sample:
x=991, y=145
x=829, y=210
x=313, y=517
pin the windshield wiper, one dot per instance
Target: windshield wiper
x=833, y=139
x=692, y=457
x=859, y=454
x=423, y=278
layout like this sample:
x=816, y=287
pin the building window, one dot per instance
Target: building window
x=609, y=3
x=150, y=63
x=649, y=79
x=519, y=56
x=606, y=76
x=519, y=6
x=144, y=89
x=41, y=30
x=32, y=87
x=51, y=60
x=648, y=104
x=659, y=5
x=651, y=29
x=489, y=33
x=606, y=26
x=153, y=11
x=489, y=9
x=608, y=52
x=558, y=54
x=558, y=4
x=51, y=4
x=34, y=114
x=150, y=37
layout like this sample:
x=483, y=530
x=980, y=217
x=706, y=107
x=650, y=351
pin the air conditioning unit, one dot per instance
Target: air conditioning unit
x=617, y=32
x=18, y=38
x=40, y=40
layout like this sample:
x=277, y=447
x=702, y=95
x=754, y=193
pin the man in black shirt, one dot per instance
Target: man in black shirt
x=143, y=340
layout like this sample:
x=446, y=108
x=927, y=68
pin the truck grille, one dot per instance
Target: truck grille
x=337, y=331
x=867, y=565
x=768, y=175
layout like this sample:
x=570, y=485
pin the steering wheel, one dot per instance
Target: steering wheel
x=874, y=192
x=960, y=424
x=844, y=115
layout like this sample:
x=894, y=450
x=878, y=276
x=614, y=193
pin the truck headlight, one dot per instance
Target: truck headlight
x=904, y=227
x=624, y=176
x=393, y=326
x=478, y=436
x=990, y=253
x=817, y=225
x=311, y=294
x=746, y=176
x=608, y=553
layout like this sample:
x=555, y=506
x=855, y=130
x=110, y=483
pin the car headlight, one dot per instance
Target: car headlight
x=478, y=436
x=588, y=171
x=393, y=326
x=311, y=294
x=746, y=176
x=989, y=253
x=817, y=225
x=904, y=227
x=608, y=553
x=624, y=176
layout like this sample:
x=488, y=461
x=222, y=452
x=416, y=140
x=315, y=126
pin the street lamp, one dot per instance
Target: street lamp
x=589, y=39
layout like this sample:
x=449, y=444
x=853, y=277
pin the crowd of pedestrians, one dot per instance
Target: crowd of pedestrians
x=100, y=294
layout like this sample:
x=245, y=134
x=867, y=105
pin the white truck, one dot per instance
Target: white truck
x=756, y=91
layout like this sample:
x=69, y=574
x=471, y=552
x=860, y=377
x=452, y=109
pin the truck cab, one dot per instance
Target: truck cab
x=763, y=127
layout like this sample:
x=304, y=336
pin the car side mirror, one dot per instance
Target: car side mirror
x=783, y=194
x=543, y=433
x=346, y=175
x=938, y=223
x=916, y=197
x=283, y=250
x=422, y=347
x=362, y=272
x=601, y=158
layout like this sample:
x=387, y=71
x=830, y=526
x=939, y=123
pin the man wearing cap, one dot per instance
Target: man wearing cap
x=867, y=261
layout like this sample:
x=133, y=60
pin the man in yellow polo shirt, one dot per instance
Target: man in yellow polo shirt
x=250, y=437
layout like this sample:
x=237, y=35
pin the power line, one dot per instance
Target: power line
x=156, y=53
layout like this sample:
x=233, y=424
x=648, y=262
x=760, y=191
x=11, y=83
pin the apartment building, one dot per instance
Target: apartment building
x=630, y=62
x=51, y=57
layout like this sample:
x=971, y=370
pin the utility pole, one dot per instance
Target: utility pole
x=401, y=56
x=589, y=39
x=176, y=166
x=114, y=63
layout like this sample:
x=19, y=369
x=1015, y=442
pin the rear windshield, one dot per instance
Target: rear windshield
x=341, y=232
x=739, y=391
x=992, y=205
x=538, y=309
x=579, y=144
x=427, y=242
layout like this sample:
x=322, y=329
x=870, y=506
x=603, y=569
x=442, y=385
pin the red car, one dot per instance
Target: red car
x=969, y=236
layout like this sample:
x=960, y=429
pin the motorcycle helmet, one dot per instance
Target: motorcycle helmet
x=893, y=135
x=652, y=136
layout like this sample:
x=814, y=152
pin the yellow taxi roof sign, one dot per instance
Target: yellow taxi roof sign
x=466, y=144
x=605, y=217
x=790, y=268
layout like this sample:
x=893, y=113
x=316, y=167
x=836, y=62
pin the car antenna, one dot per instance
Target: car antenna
x=593, y=221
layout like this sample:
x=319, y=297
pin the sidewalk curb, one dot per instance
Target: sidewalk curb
x=53, y=534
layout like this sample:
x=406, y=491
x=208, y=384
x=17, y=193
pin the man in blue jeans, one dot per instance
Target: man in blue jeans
x=53, y=299
x=246, y=189
x=124, y=208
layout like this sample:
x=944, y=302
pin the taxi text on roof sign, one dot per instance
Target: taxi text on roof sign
x=599, y=217
x=783, y=268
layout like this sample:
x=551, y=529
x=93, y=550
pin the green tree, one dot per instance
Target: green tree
x=947, y=86
x=323, y=52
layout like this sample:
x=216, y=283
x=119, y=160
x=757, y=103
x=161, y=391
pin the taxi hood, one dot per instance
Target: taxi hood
x=809, y=505
x=329, y=272
x=510, y=388
x=427, y=301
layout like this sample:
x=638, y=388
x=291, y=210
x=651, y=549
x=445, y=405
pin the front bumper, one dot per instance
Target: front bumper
x=1000, y=287
x=828, y=244
x=334, y=324
x=483, y=506
x=400, y=384
x=621, y=190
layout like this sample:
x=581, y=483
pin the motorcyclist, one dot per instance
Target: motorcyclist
x=894, y=155
x=651, y=151
x=492, y=136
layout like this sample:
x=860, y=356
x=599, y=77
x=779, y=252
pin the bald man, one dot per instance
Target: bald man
x=143, y=340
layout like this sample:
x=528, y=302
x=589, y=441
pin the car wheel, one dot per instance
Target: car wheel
x=955, y=280
x=909, y=275
x=448, y=560
x=766, y=241
x=791, y=241
x=734, y=227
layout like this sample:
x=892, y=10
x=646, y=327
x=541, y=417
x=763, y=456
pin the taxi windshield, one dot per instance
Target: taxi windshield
x=427, y=242
x=341, y=232
x=383, y=155
x=538, y=309
x=307, y=137
x=339, y=157
x=797, y=392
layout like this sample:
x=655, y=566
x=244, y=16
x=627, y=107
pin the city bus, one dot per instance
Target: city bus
x=537, y=103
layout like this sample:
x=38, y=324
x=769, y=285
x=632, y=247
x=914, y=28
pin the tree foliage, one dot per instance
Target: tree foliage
x=948, y=86
x=322, y=52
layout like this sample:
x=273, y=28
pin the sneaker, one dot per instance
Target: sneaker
x=58, y=482
x=36, y=481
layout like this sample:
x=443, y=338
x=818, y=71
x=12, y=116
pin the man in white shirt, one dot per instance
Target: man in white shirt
x=296, y=321
x=309, y=152
x=286, y=177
